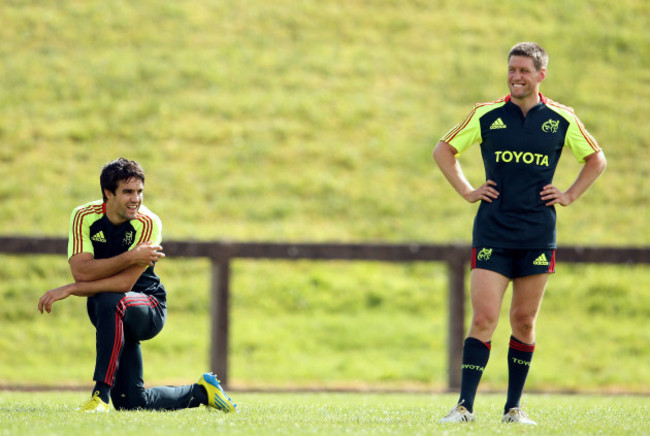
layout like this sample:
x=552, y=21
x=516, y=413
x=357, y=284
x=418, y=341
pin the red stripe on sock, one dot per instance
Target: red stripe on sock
x=520, y=346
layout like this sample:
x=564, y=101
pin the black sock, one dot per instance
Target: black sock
x=520, y=356
x=199, y=393
x=475, y=357
x=104, y=391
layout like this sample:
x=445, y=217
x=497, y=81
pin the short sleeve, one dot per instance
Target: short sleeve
x=79, y=232
x=148, y=227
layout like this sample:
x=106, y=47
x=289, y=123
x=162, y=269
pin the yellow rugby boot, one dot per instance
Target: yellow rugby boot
x=94, y=405
x=217, y=398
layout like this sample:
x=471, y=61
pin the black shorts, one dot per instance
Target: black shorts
x=514, y=263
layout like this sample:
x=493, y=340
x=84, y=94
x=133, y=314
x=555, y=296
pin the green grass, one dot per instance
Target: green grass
x=50, y=413
x=341, y=325
x=314, y=121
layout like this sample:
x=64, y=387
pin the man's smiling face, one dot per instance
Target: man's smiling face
x=124, y=204
x=523, y=78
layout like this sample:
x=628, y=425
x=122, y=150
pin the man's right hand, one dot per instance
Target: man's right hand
x=485, y=192
x=147, y=253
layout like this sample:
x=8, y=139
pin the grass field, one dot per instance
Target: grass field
x=340, y=325
x=50, y=413
x=314, y=121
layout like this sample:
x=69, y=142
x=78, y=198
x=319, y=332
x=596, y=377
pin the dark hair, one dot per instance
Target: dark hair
x=119, y=170
x=531, y=50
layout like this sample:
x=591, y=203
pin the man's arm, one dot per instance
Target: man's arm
x=594, y=165
x=121, y=282
x=445, y=156
x=86, y=268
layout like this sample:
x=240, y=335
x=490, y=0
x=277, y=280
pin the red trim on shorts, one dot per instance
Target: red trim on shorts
x=551, y=266
x=473, y=259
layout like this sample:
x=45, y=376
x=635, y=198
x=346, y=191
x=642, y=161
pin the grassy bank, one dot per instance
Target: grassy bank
x=307, y=121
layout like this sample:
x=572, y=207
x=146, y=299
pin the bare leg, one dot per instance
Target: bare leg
x=527, y=297
x=487, y=291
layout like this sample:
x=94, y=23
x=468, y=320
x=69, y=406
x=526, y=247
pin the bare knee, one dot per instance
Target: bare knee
x=523, y=326
x=483, y=325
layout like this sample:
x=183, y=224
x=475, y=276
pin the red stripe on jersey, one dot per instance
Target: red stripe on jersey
x=590, y=139
x=77, y=226
x=75, y=237
x=460, y=126
x=453, y=132
x=76, y=230
x=147, y=228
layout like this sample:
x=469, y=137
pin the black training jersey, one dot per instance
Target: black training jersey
x=92, y=232
x=520, y=154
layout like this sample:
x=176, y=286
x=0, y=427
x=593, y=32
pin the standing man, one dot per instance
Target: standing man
x=521, y=136
x=112, y=248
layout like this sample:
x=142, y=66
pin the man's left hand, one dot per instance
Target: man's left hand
x=552, y=195
x=48, y=298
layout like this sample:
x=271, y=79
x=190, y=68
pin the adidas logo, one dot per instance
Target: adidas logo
x=541, y=260
x=498, y=124
x=98, y=237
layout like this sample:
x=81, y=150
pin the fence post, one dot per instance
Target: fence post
x=456, y=321
x=219, y=319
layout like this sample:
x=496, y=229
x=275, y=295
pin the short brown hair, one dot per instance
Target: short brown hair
x=530, y=50
x=119, y=170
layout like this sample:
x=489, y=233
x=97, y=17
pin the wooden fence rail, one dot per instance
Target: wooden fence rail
x=221, y=253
